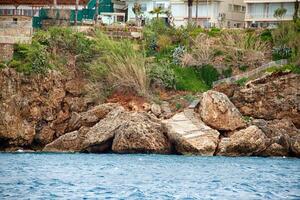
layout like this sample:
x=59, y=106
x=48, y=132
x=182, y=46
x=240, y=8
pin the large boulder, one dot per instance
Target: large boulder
x=140, y=133
x=217, y=111
x=279, y=132
x=190, y=135
x=69, y=142
x=99, y=138
x=245, y=142
x=90, y=117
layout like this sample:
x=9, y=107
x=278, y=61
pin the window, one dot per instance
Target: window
x=15, y=20
x=236, y=8
x=243, y=9
x=230, y=7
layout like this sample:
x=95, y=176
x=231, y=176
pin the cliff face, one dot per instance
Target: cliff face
x=275, y=96
x=54, y=113
x=36, y=109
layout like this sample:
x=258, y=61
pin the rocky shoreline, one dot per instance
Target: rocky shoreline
x=55, y=114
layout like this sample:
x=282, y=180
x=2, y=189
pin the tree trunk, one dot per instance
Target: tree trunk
x=157, y=15
x=190, y=7
x=197, y=5
x=96, y=11
x=295, y=17
x=76, y=12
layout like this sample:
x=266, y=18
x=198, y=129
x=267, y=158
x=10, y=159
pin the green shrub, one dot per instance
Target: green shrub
x=2, y=65
x=163, y=74
x=266, y=35
x=227, y=72
x=163, y=42
x=208, y=74
x=213, y=32
x=187, y=79
x=31, y=58
x=286, y=68
x=242, y=81
x=243, y=68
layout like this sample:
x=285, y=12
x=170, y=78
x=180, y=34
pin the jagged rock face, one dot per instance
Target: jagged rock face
x=103, y=132
x=69, y=142
x=120, y=131
x=279, y=132
x=271, y=97
x=295, y=145
x=190, y=135
x=140, y=133
x=245, y=142
x=36, y=109
x=217, y=111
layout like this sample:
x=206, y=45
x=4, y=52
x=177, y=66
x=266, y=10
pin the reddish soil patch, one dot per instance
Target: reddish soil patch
x=128, y=100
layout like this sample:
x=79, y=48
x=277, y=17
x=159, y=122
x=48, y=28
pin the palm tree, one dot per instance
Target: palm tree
x=76, y=12
x=158, y=11
x=280, y=13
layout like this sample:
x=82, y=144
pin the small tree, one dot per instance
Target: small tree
x=137, y=10
x=158, y=11
x=280, y=13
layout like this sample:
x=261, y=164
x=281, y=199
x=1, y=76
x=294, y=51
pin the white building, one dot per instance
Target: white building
x=260, y=13
x=208, y=13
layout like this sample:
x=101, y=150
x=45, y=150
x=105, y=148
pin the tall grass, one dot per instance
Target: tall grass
x=120, y=64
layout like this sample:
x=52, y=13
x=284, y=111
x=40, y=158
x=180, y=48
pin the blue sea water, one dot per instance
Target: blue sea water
x=136, y=176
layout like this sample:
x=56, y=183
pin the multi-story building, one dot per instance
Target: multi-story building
x=260, y=13
x=208, y=13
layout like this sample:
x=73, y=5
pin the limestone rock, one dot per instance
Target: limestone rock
x=100, y=136
x=45, y=136
x=217, y=111
x=90, y=117
x=279, y=132
x=245, y=142
x=166, y=110
x=271, y=97
x=156, y=110
x=69, y=142
x=295, y=145
x=140, y=134
x=190, y=135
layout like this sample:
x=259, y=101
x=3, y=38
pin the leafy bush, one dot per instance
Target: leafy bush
x=286, y=68
x=242, y=81
x=187, y=79
x=31, y=58
x=288, y=35
x=227, y=72
x=266, y=35
x=213, y=32
x=243, y=68
x=279, y=53
x=208, y=74
x=162, y=73
x=2, y=65
x=178, y=52
x=163, y=42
